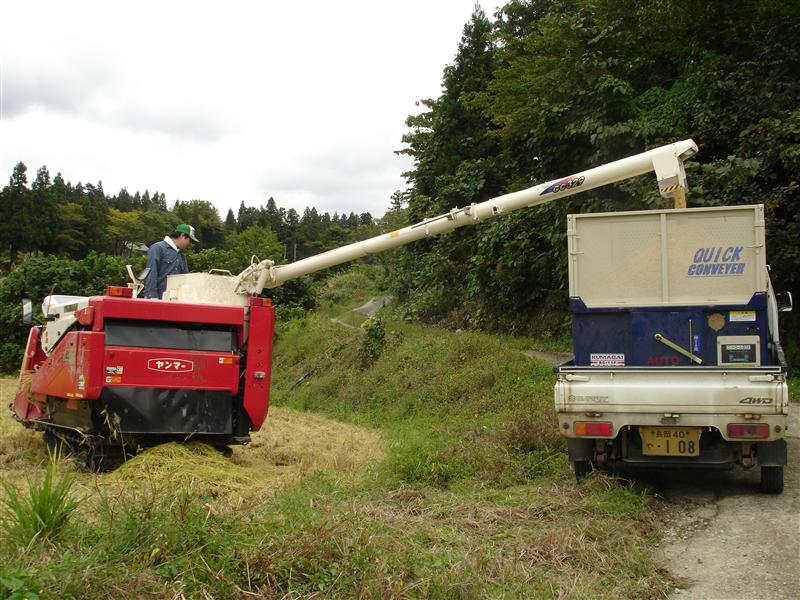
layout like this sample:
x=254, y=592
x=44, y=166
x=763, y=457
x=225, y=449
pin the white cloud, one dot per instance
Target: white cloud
x=241, y=101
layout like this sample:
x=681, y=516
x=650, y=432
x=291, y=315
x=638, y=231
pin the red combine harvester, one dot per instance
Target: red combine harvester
x=130, y=373
x=108, y=375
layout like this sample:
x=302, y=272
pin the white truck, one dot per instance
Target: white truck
x=677, y=356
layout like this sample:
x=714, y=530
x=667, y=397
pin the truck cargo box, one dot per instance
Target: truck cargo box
x=669, y=288
x=678, y=257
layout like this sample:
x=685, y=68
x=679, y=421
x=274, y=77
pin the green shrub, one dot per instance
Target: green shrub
x=297, y=293
x=290, y=313
x=373, y=340
x=214, y=258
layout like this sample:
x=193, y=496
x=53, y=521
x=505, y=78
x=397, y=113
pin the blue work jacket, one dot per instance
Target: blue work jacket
x=162, y=260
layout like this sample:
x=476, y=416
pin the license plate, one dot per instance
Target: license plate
x=670, y=441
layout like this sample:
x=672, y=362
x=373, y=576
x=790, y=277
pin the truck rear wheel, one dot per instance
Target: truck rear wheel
x=582, y=469
x=772, y=480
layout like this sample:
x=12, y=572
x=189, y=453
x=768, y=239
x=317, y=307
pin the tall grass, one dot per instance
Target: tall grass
x=42, y=513
x=452, y=405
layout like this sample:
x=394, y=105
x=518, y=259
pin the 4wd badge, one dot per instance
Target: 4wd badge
x=170, y=365
x=752, y=400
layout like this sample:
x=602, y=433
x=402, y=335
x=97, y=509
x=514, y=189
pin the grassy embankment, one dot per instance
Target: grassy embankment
x=436, y=471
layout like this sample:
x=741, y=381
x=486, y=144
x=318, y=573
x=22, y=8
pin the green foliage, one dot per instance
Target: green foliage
x=298, y=293
x=204, y=217
x=137, y=226
x=286, y=313
x=56, y=217
x=214, y=258
x=254, y=243
x=15, y=586
x=94, y=210
x=351, y=287
x=39, y=276
x=43, y=513
x=257, y=241
x=373, y=340
x=18, y=214
x=561, y=86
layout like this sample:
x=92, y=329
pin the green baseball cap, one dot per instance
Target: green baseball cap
x=188, y=230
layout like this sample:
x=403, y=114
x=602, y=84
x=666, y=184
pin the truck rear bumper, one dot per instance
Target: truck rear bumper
x=715, y=451
x=620, y=421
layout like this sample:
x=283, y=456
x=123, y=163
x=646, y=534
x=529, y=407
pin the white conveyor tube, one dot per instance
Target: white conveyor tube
x=666, y=161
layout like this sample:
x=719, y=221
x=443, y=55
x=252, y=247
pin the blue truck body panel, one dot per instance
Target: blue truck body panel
x=626, y=334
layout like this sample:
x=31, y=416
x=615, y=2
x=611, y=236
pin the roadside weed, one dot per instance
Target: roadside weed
x=41, y=513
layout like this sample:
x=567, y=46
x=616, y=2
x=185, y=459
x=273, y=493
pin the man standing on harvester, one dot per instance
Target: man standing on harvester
x=165, y=258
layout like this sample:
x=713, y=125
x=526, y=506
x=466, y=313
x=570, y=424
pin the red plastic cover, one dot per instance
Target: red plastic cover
x=259, y=364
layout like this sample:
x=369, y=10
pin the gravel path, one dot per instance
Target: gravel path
x=726, y=540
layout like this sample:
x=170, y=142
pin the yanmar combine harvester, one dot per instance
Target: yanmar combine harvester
x=111, y=374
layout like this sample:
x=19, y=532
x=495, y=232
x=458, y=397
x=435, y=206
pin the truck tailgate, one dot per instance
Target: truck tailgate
x=685, y=390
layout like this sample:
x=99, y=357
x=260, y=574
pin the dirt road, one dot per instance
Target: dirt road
x=726, y=540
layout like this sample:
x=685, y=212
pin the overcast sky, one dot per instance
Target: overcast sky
x=225, y=102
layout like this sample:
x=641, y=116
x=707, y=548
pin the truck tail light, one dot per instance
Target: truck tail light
x=119, y=291
x=748, y=430
x=593, y=428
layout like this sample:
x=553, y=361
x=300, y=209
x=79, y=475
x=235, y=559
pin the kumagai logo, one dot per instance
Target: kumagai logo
x=718, y=261
x=755, y=401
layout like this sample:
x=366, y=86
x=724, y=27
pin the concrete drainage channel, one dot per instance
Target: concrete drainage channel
x=370, y=308
x=554, y=358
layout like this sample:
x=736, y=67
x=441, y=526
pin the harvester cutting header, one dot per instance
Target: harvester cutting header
x=111, y=374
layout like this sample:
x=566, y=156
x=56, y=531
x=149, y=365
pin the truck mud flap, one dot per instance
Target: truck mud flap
x=580, y=449
x=133, y=410
x=771, y=454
